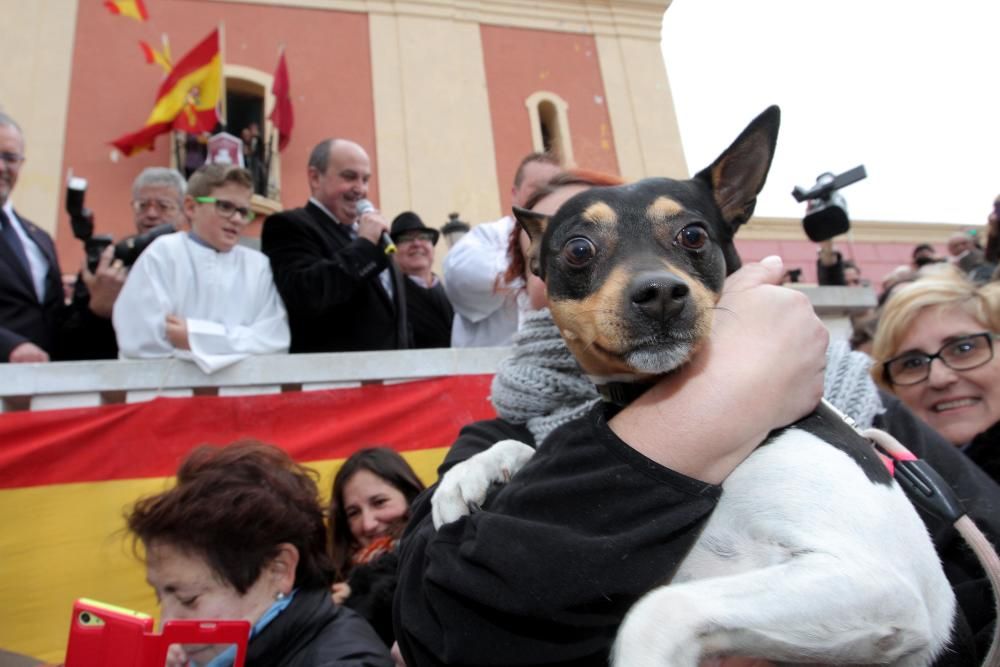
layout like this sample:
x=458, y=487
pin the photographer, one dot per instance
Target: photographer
x=833, y=269
x=157, y=198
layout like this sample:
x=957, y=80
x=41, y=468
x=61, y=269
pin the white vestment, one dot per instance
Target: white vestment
x=228, y=299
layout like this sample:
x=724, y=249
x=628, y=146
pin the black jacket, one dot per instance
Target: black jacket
x=314, y=632
x=430, y=314
x=599, y=524
x=588, y=509
x=65, y=332
x=330, y=284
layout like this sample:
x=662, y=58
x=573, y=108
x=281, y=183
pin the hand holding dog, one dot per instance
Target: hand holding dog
x=761, y=369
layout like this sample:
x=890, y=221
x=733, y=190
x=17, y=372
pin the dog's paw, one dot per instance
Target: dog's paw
x=463, y=488
x=658, y=630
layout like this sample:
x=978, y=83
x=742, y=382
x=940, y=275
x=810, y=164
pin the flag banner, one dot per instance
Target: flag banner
x=68, y=476
x=161, y=58
x=134, y=9
x=187, y=100
x=282, y=116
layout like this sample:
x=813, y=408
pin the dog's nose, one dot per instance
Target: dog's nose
x=659, y=295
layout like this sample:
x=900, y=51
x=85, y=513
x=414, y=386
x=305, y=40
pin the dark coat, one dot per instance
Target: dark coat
x=314, y=632
x=65, y=332
x=330, y=284
x=22, y=317
x=430, y=314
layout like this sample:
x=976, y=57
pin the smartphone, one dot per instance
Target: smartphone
x=103, y=635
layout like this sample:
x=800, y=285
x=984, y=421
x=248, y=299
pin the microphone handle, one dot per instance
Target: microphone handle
x=387, y=245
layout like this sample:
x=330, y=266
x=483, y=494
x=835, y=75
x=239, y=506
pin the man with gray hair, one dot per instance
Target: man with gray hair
x=158, y=198
x=35, y=323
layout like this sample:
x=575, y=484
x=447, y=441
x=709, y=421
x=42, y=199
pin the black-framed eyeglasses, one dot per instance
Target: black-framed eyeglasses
x=959, y=354
x=228, y=209
x=11, y=159
x=161, y=205
x=416, y=236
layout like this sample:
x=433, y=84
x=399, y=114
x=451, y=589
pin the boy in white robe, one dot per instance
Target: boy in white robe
x=198, y=295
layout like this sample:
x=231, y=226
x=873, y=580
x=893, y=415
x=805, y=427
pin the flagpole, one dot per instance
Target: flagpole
x=222, y=64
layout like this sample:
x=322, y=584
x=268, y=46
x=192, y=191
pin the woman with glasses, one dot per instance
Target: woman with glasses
x=934, y=349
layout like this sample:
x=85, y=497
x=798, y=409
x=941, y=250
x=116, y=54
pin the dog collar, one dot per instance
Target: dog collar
x=621, y=393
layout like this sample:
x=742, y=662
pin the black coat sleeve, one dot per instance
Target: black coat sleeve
x=311, y=276
x=545, y=573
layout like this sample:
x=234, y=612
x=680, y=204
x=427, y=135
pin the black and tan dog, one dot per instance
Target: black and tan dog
x=813, y=553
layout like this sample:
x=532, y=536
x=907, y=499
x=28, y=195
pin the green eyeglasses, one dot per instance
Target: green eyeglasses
x=228, y=209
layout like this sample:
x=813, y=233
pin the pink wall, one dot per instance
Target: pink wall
x=874, y=259
x=521, y=62
x=113, y=90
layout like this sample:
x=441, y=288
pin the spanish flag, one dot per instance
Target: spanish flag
x=161, y=58
x=134, y=9
x=187, y=100
x=67, y=476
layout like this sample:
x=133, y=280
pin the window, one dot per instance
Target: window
x=547, y=113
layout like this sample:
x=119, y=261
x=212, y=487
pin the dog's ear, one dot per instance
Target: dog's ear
x=534, y=225
x=737, y=176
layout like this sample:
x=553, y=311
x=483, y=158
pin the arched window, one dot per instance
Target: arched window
x=547, y=113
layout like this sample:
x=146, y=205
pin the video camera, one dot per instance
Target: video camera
x=826, y=212
x=81, y=219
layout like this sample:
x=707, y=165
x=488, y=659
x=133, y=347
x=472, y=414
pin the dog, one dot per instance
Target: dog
x=813, y=553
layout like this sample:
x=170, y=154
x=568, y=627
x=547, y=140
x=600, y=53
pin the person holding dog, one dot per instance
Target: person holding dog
x=564, y=621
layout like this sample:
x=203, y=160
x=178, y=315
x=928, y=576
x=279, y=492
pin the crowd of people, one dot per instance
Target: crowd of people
x=537, y=577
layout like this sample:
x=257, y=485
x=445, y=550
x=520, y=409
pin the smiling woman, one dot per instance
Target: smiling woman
x=934, y=348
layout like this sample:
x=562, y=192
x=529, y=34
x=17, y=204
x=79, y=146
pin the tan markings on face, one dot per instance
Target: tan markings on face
x=593, y=328
x=594, y=331
x=704, y=301
x=600, y=213
x=663, y=208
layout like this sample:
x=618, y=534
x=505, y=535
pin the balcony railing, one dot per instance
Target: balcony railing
x=94, y=383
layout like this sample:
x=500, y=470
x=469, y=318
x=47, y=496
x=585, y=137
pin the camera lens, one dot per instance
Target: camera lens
x=85, y=618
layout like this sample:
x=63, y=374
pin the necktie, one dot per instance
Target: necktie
x=13, y=240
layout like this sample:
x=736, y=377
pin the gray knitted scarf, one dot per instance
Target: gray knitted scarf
x=541, y=385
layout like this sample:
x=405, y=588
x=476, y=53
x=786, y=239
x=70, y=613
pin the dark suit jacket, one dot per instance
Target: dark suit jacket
x=330, y=284
x=22, y=317
x=65, y=332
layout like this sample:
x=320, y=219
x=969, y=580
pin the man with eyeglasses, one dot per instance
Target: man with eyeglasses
x=36, y=325
x=198, y=295
x=330, y=262
x=158, y=198
x=427, y=306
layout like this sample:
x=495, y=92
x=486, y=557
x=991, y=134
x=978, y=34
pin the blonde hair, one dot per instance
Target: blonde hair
x=947, y=287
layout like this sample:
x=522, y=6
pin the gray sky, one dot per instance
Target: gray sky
x=909, y=89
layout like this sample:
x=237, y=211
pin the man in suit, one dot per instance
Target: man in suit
x=33, y=314
x=341, y=290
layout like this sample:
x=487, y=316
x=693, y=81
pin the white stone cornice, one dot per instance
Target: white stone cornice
x=637, y=19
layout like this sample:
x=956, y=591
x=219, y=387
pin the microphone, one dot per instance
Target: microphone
x=365, y=206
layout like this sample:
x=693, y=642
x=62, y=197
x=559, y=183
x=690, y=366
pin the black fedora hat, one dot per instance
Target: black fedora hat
x=408, y=221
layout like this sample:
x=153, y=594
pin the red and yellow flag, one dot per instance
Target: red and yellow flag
x=134, y=9
x=161, y=58
x=187, y=100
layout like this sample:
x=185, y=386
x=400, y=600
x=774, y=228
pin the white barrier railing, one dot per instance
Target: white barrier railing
x=93, y=383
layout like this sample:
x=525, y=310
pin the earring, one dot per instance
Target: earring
x=279, y=596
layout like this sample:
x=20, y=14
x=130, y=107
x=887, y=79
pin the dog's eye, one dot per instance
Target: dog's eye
x=692, y=237
x=578, y=251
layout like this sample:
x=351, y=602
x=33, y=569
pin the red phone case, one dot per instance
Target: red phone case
x=102, y=635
